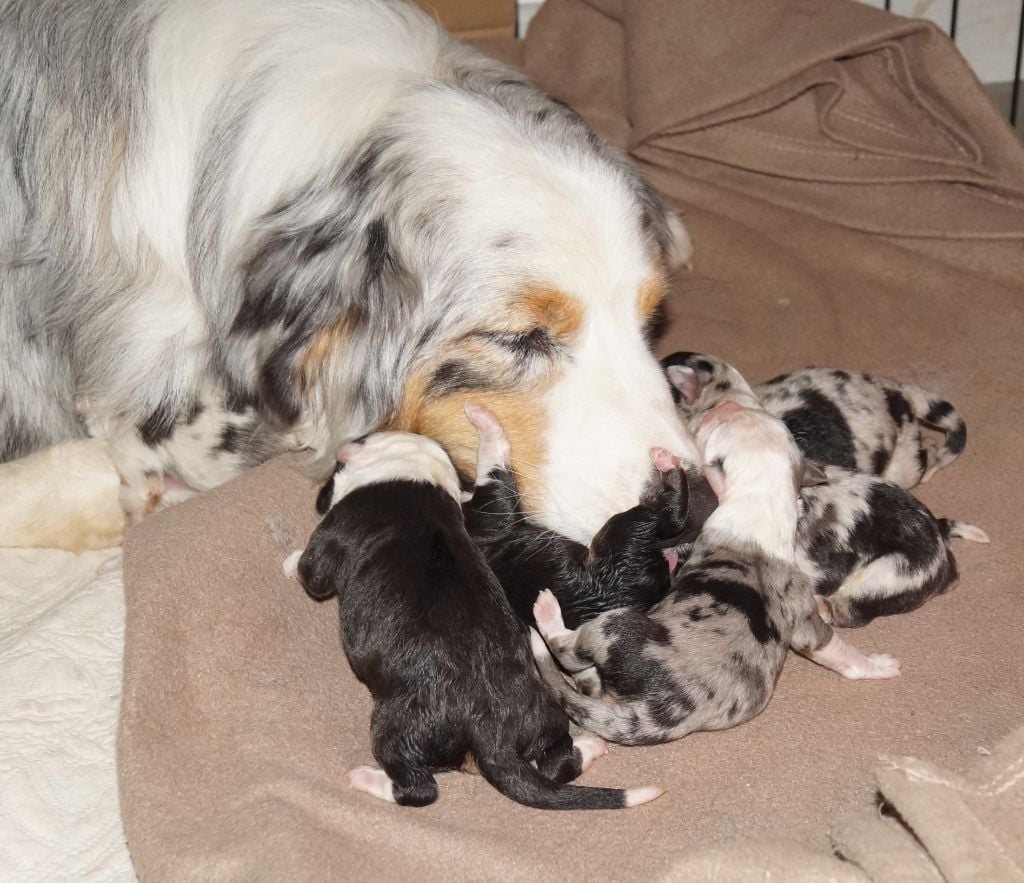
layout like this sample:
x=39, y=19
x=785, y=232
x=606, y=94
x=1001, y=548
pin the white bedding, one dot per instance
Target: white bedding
x=61, y=642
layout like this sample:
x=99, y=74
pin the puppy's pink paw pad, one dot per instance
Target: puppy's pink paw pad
x=548, y=614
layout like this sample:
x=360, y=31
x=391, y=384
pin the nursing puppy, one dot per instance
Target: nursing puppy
x=845, y=418
x=870, y=548
x=427, y=629
x=708, y=656
x=628, y=563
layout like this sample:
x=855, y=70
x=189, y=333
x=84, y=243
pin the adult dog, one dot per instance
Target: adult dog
x=330, y=215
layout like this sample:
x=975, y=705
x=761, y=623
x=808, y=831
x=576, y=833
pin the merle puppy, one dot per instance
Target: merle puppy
x=628, y=563
x=426, y=627
x=845, y=418
x=872, y=549
x=708, y=656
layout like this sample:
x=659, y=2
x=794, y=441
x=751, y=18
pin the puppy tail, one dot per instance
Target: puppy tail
x=518, y=780
x=617, y=722
x=963, y=530
x=936, y=412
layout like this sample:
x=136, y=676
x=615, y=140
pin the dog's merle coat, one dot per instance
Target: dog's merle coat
x=870, y=548
x=708, y=656
x=625, y=564
x=845, y=418
x=426, y=627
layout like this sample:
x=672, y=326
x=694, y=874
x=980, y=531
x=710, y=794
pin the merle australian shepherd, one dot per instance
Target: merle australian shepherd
x=327, y=217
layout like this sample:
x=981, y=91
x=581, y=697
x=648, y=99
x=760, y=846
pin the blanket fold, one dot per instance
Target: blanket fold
x=829, y=106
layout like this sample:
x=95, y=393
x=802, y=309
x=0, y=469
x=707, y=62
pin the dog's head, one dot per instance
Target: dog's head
x=484, y=246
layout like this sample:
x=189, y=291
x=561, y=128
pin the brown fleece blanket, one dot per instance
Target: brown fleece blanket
x=855, y=199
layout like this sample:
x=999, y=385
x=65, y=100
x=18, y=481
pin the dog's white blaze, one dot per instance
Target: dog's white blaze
x=606, y=412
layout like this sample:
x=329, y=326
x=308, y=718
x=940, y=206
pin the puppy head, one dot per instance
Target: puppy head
x=700, y=381
x=756, y=470
x=389, y=456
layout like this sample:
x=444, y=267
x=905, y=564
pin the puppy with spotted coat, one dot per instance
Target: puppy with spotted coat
x=426, y=627
x=844, y=418
x=872, y=549
x=708, y=656
x=869, y=547
x=628, y=563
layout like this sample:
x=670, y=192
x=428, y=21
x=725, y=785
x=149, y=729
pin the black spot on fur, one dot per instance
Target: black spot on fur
x=879, y=460
x=378, y=251
x=938, y=411
x=536, y=341
x=158, y=426
x=922, y=460
x=956, y=440
x=456, y=375
x=230, y=439
x=821, y=431
x=898, y=407
x=727, y=594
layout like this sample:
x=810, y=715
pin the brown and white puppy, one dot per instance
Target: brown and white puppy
x=426, y=627
x=331, y=213
x=709, y=655
x=844, y=418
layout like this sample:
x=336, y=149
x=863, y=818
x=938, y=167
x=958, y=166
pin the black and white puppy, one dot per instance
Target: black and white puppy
x=628, y=563
x=844, y=418
x=872, y=549
x=426, y=627
x=708, y=656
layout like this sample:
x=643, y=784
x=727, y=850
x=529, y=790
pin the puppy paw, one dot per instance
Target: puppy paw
x=372, y=781
x=291, y=565
x=548, y=615
x=874, y=667
x=590, y=748
x=882, y=666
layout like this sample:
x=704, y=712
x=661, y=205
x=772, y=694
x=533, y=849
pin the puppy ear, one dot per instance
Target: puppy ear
x=813, y=475
x=716, y=478
x=687, y=381
x=318, y=567
x=326, y=495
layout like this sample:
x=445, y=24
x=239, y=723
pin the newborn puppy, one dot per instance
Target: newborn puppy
x=708, y=656
x=629, y=561
x=872, y=549
x=426, y=627
x=844, y=418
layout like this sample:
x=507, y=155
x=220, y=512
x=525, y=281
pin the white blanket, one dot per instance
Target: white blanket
x=61, y=642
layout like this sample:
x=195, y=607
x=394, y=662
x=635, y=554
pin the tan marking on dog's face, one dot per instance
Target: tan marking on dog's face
x=560, y=313
x=650, y=296
x=443, y=418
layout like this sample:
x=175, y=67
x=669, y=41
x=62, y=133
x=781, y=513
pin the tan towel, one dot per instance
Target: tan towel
x=240, y=716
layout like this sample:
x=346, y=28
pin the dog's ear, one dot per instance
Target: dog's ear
x=319, y=566
x=687, y=380
x=326, y=495
x=813, y=475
